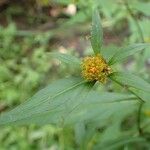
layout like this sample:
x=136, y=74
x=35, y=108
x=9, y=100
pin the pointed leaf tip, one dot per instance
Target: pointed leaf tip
x=125, y=52
x=96, y=32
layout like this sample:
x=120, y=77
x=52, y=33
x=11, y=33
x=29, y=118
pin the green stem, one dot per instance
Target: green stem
x=142, y=39
x=139, y=108
x=139, y=118
x=135, y=20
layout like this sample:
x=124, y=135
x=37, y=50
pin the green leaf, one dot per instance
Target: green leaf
x=80, y=132
x=130, y=80
x=142, y=94
x=124, y=52
x=50, y=105
x=142, y=7
x=66, y=101
x=66, y=58
x=118, y=143
x=96, y=33
x=101, y=106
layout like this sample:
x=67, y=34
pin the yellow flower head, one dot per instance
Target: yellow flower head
x=95, y=68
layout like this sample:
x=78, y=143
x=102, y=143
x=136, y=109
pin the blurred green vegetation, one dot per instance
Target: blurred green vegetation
x=29, y=29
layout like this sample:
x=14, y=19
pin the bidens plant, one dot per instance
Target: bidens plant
x=73, y=101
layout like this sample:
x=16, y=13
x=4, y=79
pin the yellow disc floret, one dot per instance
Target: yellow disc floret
x=95, y=68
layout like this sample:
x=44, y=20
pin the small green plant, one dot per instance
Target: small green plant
x=74, y=101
